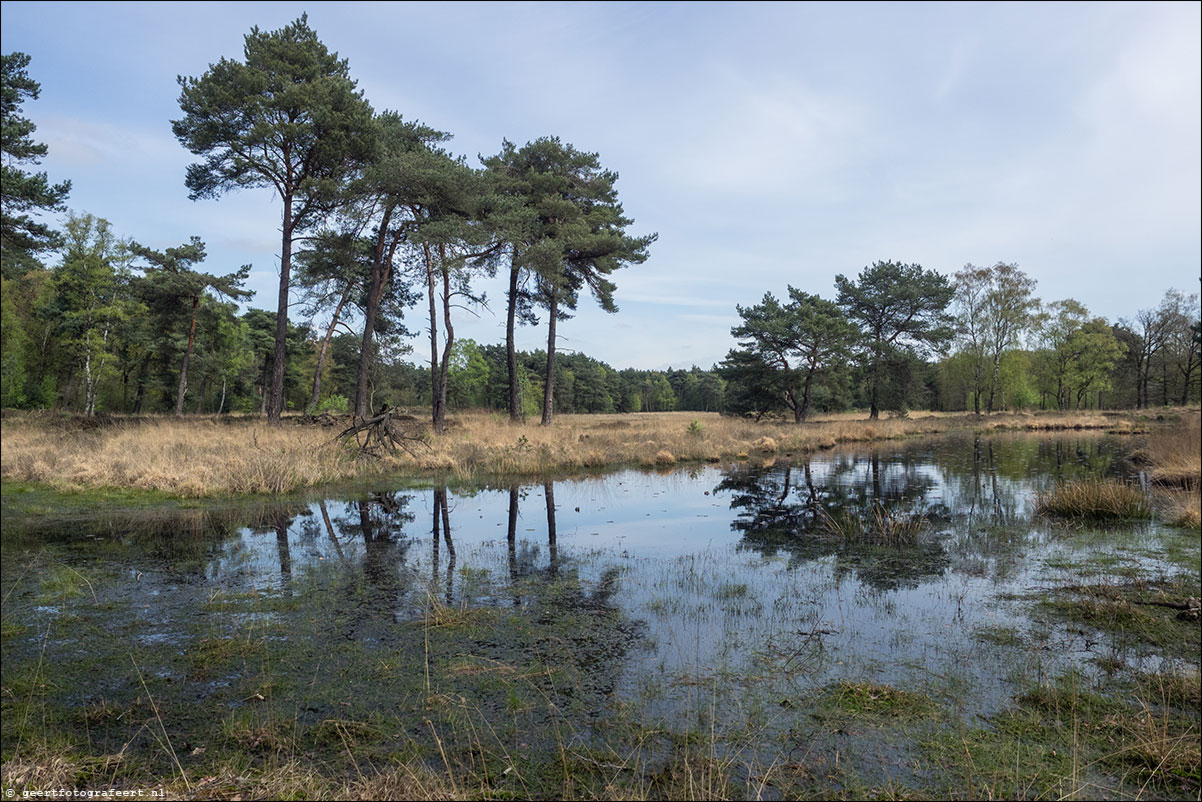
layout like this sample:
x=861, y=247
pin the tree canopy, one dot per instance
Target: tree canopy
x=287, y=117
x=22, y=237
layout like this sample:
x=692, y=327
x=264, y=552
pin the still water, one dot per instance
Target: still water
x=596, y=600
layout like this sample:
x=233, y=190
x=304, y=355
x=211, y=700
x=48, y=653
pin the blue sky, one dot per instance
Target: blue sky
x=767, y=144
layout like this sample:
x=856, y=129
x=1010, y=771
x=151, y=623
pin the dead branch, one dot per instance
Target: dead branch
x=385, y=432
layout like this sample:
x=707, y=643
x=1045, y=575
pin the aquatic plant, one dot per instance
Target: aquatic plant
x=1094, y=499
x=877, y=526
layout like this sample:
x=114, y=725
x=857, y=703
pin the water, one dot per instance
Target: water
x=560, y=611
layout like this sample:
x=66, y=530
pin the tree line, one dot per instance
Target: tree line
x=379, y=220
x=899, y=336
x=377, y=214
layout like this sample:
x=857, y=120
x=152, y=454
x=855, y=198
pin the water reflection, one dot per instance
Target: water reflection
x=786, y=509
x=633, y=575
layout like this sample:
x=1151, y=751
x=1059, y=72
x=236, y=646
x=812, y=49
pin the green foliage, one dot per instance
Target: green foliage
x=790, y=353
x=173, y=291
x=89, y=297
x=289, y=118
x=334, y=403
x=468, y=376
x=22, y=238
x=567, y=231
x=901, y=312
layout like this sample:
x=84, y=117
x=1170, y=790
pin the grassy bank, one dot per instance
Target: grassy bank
x=221, y=456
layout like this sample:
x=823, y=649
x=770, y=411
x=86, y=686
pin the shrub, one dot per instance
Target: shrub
x=335, y=403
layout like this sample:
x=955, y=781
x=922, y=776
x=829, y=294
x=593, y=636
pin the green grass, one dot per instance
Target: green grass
x=1130, y=611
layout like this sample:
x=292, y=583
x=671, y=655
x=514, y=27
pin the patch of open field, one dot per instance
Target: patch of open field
x=198, y=457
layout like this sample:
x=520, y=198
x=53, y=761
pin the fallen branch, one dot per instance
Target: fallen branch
x=383, y=432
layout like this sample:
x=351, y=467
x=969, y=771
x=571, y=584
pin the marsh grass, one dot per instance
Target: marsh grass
x=207, y=456
x=1183, y=508
x=188, y=458
x=1139, y=611
x=1175, y=453
x=1068, y=739
x=877, y=699
x=881, y=526
x=510, y=726
x=1094, y=500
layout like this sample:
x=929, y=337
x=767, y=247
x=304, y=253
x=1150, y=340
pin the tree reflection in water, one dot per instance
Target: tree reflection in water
x=783, y=510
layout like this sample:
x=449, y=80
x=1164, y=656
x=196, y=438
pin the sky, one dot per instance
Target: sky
x=766, y=144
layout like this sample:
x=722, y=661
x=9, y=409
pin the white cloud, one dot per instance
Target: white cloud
x=79, y=142
x=749, y=135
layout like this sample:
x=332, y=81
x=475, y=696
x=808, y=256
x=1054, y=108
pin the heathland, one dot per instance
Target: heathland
x=225, y=455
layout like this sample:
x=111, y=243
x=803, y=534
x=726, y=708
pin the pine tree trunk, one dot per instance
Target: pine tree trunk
x=549, y=387
x=515, y=401
x=374, y=293
x=276, y=405
x=183, y=371
x=200, y=393
x=140, y=393
x=804, y=410
x=325, y=348
x=443, y=369
x=874, y=410
x=436, y=414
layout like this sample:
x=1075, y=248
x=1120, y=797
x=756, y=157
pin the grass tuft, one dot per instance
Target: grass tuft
x=880, y=527
x=1094, y=500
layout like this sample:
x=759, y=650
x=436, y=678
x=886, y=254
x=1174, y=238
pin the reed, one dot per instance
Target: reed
x=1174, y=453
x=1094, y=499
x=879, y=526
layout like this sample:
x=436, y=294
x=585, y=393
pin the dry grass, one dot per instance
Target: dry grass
x=1094, y=499
x=194, y=457
x=1182, y=508
x=43, y=768
x=484, y=443
x=882, y=527
x=1175, y=453
x=210, y=456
